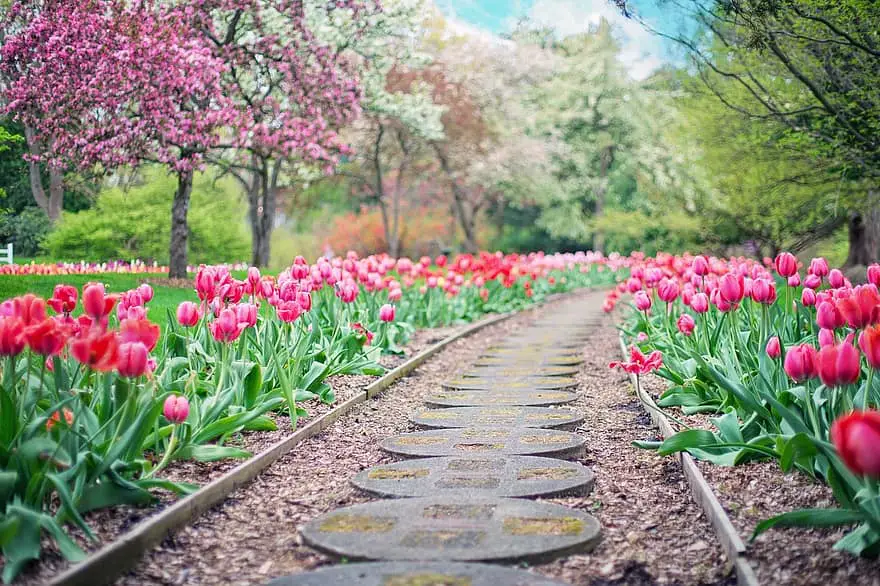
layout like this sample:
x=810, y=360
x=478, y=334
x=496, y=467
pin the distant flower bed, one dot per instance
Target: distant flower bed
x=93, y=268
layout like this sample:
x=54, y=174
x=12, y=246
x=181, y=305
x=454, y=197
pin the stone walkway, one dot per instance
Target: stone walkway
x=482, y=449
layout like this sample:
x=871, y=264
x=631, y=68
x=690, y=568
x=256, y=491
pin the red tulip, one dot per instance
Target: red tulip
x=176, y=409
x=786, y=264
x=861, y=307
x=828, y=316
x=63, y=299
x=188, y=314
x=639, y=363
x=869, y=342
x=96, y=303
x=139, y=330
x=30, y=309
x=686, y=324
x=46, y=338
x=800, y=362
x=386, y=312
x=857, y=439
x=55, y=419
x=441, y=261
x=98, y=351
x=11, y=336
x=774, y=349
x=133, y=358
x=839, y=364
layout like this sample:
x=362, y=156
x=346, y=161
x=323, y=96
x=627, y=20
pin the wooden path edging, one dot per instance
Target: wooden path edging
x=123, y=553
x=703, y=494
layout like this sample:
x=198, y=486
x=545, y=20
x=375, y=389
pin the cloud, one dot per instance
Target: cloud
x=641, y=52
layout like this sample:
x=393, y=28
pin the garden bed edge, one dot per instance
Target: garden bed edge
x=705, y=497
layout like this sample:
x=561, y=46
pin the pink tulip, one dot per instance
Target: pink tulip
x=800, y=363
x=786, y=264
x=836, y=279
x=246, y=313
x=386, y=312
x=774, y=348
x=828, y=316
x=188, y=314
x=839, y=365
x=176, y=409
x=794, y=280
x=668, y=290
x=132, y=359
x=826, y=338
x=642, y=301
x=700, y=266
x=686, y=324
x=700, y=303
x=808, y=298
x=819, y=267
x=813, y=282
x=763, y=291
x=226, y=328
x=874, y=274
x=731, y=288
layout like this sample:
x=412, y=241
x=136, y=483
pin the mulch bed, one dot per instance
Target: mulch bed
x=653, y=532
x=755, y=491
x=108, y=524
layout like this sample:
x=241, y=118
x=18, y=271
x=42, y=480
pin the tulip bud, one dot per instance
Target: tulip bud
x=874, y=274
x=700, y=303
x=642, y=301
x=808, y=298
x=786, y=264
x=686, y=324
x=187, y=314
x=132, y=360
x=818, y=267
x=700, y=266
x=176, y=409
x=774, y=349
x=386, y=312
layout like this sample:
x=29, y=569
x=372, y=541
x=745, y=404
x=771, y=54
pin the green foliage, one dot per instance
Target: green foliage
x=134, y=223
x=25, y=229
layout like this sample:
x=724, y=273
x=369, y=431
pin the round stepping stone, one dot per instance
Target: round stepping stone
x=511, y=476
x=496, y=398
x=515, y=370
x=440, y=529
x=415, y=574
x=507, y=383
x=485, y=441
x=511, y=416
x=503, y=360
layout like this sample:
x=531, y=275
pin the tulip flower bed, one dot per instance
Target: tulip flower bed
x=780, y=365
x=97, y=398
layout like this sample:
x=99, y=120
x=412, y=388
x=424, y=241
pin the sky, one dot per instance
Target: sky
x=641, y=52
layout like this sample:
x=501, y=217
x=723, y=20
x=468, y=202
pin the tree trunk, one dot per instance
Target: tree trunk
x=54, y=202
x=864, y=236
x=459, y=199
x=179, y=227
x=262, y=204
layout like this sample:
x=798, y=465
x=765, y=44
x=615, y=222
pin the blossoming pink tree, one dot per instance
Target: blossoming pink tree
x=108, y=83
x=291, y=92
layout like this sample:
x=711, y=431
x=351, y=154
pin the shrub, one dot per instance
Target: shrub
x=136, y=223
x=26, y=230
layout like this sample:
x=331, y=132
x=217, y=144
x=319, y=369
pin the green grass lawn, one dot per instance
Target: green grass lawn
x=43, y=285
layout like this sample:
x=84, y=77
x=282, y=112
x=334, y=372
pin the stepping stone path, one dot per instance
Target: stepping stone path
x=512, y=416
x=488, y=425
x=514, y=476
x=486, y=441
x=497, y=398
